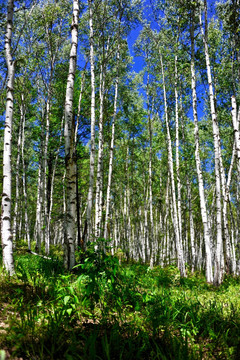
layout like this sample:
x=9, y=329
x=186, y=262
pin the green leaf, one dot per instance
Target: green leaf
x=69, y=311
x=66, y=299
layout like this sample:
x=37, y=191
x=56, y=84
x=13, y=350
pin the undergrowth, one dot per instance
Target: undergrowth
x=104, y=310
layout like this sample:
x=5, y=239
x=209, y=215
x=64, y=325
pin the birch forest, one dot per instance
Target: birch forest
x=120, y=137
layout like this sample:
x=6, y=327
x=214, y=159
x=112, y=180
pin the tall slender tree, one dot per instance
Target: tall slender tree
x=204, y=214
x=218, y=270
x=92, y=149
x=70, y=158
x=6, y=231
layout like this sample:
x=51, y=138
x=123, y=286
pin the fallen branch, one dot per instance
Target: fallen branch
x=43, y=256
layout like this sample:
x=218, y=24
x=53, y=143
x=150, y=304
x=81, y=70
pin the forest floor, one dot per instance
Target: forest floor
x=109, y=311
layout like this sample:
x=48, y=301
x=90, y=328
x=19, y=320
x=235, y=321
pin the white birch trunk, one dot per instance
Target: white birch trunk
x=52, y=182
x=98, y=204
x=38, y=222
x=26, y=224
x=191, y=225
x=218, y=271
x=15, y=226
x=236, y=120
x=92, y=149
x=179, y=186
x=230, y=248
x=151, y=234
x=179, y=248
x=45, y=164
x=165, y=249
x=53, y=55
x=80, y=240
x=146, y=229
x=6, y=231
x=70, y=157
x=38, y=233
x=110, y=166
x=207, y=242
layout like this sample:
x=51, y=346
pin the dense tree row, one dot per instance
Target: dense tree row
x=93, y=150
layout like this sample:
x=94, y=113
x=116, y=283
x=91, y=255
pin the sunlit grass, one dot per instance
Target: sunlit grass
x=108, y=311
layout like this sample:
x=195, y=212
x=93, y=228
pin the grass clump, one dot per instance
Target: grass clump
x=105, y=310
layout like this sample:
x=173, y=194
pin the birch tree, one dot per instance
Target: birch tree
x=218, y=271
x=6, y=231
x=179, y=248
x=110, y=166
x=204, y=215
x=69, y=135
x=92, y=144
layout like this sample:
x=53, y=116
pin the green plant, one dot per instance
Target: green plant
x=100, y=278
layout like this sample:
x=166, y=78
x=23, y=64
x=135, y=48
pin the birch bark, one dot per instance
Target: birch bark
x=230, y=248
x=39, y=219
x=207, y=242
x=80, y=240
x=218, y=271
x=191, y=225
x=236, y=121
x=6, y=231
x=110, y=166
x=47, y=189
x=179, y=248
x=70, y=158
x=52, y=181
x=92, y=150
x=98, y=201
x=179, y=186
x=45, y=163
x=15, y=226
x=38, y=234
x=27, y=232
x=151, y=234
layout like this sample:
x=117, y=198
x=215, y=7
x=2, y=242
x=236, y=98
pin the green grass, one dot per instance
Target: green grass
x=107, y=311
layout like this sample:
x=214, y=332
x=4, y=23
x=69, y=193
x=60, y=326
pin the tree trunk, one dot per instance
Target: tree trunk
x=236, y=120
x=6, y=231
x=150, y=232
x=92, y=151
x=23, y=115
x=179, y=248
x=45, y=164
x=218, y=271
x=207, y=242
x=52, y=182
x=98, y=202
x=70, y=157
x=16, y=215
x=39, y=223
x=179, y=186
x=110, y=166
